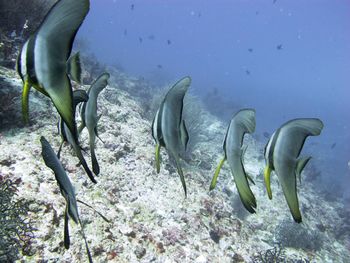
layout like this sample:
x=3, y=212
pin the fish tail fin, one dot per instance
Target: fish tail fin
x=215, y=177
x=86, y=244
x=103, y=217
x=180, y=172
x=267, y=178
x=158, y=158
x=25, y=100
x=81, y=158
x=66, y=229
x=74, y=67
x=95, y=166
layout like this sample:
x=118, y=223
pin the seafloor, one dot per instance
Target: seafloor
x=151, y=221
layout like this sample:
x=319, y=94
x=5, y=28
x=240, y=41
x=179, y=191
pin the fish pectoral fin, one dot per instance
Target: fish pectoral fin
x=180, y=172
x=267, y=178
x=81, y=127
x=158, y=158
x=250, y=179
x=243, y=151
x=184, y=134
x=59, y=150
x=301, y=163
x=74, y=67
x=103, y=217
x=66, y=229
x=97, y=135
x=216, y=174
x=25, y=101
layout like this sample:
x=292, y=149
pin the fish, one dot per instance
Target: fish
x=132, y=7
x=266, y=135
x=88, y=113
x=44, y=61
x=151, y=37
x=282, y=156
x=140, y=40
x=125, y=32
x=247, y=72
x=168, y=41
x=250, y=50
x=279, y=47
x=67, y=191
x=79, y=96
x=333, y=145
x=169, y=128
x=159, y=66
x=242, y=122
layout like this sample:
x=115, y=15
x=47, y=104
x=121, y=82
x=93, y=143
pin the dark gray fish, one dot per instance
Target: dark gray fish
x=79, y=96
x=89, y=116
x=169, y=128
x=282, y=156
x=66, y=189
x=132, y=7
x=247, y=72
x=242, y=122
x=125, y=32
x=140, y=39
x=43, y=61
x=159, y=66
x=250, y=50
x=333, y=145
x=151, y=37
x=168, y=42
x=266, y=135
x=279, y=47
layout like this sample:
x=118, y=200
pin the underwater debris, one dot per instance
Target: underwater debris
x=16, y=229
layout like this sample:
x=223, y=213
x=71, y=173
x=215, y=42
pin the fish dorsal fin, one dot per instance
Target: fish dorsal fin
x=60, y=26
x=245, y=118
x=54, y=39
x=301, y=163
x=99, y=84
x=184, y=134
x=74, y=67
x=296, y=131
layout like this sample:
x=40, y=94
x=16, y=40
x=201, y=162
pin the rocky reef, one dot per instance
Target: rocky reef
x=151, y=221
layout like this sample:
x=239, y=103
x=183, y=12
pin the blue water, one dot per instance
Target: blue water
x=286, y=59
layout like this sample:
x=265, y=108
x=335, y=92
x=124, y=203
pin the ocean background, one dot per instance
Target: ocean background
x=286, y=59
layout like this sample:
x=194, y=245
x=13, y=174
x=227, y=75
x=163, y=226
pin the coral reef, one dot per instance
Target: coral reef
x=150, y=219
x=16, y=230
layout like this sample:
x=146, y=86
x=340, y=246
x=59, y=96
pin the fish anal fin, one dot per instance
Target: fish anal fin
x=216, y=174
x=301, y=163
